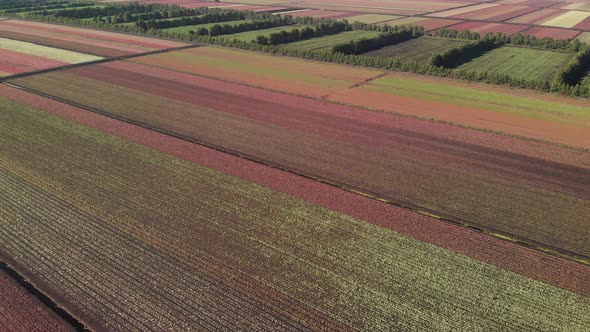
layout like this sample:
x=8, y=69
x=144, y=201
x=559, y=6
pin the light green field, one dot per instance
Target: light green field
x=187, y=28
x=248, y=36
x=419, y=49
x=481, y=99
x=327, y=42
x=519, y=62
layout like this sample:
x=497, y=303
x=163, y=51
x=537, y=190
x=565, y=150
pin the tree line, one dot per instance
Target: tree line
x=297, y=34
x=363, y=45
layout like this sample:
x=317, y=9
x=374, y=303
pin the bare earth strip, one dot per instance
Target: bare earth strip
x=184, y=246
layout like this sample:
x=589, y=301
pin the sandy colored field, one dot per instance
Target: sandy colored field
x=20, y=311
x=189, y=243
x=46, y=52
x=584, y=36
x=496, y=13
x=450, y=178
x=567, y=20
x=516, y=112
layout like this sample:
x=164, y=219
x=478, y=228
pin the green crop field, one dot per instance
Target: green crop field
x=519, y=62
x=419, y=49
x=248, y=36
x=188, y=28
x=327, y=42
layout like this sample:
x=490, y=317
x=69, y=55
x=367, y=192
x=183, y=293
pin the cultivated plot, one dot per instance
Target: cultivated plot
x=419, y=49
x=20, y=57
x=100, y=43
x=519, y=62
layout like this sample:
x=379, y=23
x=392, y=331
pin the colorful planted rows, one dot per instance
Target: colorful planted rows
x=20, y=57
x=20, y=311
x=526, y=114
x=282, y=263
x=100, y=43
x=449, y=177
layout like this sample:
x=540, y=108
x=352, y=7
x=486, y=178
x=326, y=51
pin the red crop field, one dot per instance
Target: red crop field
x=484, y=27
x=429, y=24
x=21, y=311
x=554, y=33
x=89, y=41
x=498, y=13
x=538, y=16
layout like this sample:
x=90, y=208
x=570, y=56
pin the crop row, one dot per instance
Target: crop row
x=134, y=223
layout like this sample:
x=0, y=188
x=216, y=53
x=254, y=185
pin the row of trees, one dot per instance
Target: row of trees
x=363, y=45
x=295, y=34
x=464, y=53
x=45, y=7
x=502, y=38
x=221, y=16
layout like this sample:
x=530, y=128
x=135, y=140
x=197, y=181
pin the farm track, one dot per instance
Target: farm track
x=540, y=174
x=77, y=192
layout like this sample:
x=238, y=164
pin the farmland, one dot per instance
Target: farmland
x=94, y=42
x=525, y=115
x=393, y=166
x=327, y=42
x=521, y=63
x=259, y=138
x=419, y=49
x=20, y=57
x=276, y=293
x=20, y=311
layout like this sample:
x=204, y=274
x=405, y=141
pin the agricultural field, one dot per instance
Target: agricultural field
x=524, y=114
x=418, y=49
x=519, y=62
x=327, y=42
x=20, y=57
x=187, y=28
x=194, y=241
x=99, y=43
x=21, y=311
x=148, y=184
x=506, y=201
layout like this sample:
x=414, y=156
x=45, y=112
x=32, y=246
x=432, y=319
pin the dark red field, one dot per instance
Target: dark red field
x=21, y=311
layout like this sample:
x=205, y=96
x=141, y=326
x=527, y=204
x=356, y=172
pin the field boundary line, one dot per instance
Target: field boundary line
x=361, y=83
x=490, y=231
x=53, y=307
